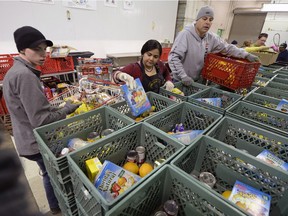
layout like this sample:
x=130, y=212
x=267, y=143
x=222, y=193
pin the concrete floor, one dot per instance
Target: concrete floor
x=31, y=179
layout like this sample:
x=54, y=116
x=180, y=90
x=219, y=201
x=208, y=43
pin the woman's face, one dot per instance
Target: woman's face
x=151, y=57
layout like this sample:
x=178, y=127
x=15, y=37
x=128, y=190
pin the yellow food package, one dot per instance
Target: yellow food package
x=93, y=166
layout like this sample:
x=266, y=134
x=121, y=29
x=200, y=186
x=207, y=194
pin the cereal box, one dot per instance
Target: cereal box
x=212, y=101
x=272, y=159
x=113, y=180
x=186, y=137
x=136, y=98
x=253, y=201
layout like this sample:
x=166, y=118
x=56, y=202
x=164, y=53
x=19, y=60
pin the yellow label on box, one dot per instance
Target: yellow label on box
x=93, y=166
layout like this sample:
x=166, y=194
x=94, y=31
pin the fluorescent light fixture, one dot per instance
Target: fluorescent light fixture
x=275, y=7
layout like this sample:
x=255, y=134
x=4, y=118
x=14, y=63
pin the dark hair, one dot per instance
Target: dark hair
x=234, y=42
x=151, y=45
x=263, y=35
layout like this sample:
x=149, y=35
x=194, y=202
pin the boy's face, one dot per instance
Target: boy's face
x=36, y=56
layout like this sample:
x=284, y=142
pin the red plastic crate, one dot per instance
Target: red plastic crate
x=3, y=107
x=229, y=72
x=49, y=67
x=65, y=64
x=165, y=53
x=5, y=64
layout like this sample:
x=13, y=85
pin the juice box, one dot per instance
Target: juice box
x=136, y=98
x=113, y=180
x=93, y=166
x=250, y=199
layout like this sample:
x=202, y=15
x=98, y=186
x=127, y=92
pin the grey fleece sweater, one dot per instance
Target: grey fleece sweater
x=27, y=105
x=187, y=54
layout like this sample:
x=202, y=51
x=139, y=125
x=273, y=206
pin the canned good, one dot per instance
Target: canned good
x=106, y=132
x=171, y=208
x=207, y=178
x=132, y=156
x=93, y=136
x=158, y=162
x=141, y=154
x=160, y=213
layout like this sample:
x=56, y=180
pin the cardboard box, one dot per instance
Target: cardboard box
x=267, y=57
x=60, y=51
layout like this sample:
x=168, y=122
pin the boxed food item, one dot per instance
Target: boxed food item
x=186, y=137
x=136, y=98
x=60, y=51
x=212, y=101
x=283, y=106
x=270, y=158
x=113, y=180
x=267, y=57
x=250, y=199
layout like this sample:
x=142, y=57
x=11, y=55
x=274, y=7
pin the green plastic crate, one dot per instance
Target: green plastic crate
x=228, y=164
x=170, y=184
x=282, y=76
x=269, y=119
x=67, y=204
x=277, y=85
x=187, y=90
x=281, y=80
x=160, y=102
x=248, y=137
x=265, y=74
x=272, y=92
x=191, y=116
x=52, y=138
x=157, y=144
x=227, y=98
x=260, y=81
x=263, y=100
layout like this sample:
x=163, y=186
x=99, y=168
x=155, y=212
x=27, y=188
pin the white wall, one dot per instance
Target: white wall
x=104, y=30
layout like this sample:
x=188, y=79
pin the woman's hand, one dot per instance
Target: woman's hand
x=129, y=80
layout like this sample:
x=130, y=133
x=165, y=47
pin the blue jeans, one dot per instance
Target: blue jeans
x=52, y=200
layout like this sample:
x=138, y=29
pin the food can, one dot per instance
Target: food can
x=171, y=208
x=132, y=156
x=141, y=154
x=160, y=213
x=158, y=162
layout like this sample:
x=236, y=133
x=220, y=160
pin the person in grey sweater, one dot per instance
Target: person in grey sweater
x=27, y=103
x=191, y=45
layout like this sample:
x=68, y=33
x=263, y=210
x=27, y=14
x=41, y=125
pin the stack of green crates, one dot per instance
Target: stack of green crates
x=227, y=99
x=191, y=116
x=228, y=164
x=52, y=138
x=271, y=92
x=281, y=79
x=250, y=138
x=187, y=90
x=158, y=101
x=262, y=117
x=114, y=148
x=170, y=184
x=265, y=74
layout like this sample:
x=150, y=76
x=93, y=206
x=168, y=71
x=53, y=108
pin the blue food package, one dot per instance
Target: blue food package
x=212, y=101
x=186, y=137
x=113, y=180
x=272, y=159
x=251, y=200
x=136, y=98
x=283, y=106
